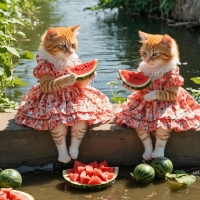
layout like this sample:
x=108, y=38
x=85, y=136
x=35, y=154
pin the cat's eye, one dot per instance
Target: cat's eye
x=73, y=45
x=63, y=46
x=144, y=53
x=154, y=54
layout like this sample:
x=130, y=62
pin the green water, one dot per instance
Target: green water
x=113, y=39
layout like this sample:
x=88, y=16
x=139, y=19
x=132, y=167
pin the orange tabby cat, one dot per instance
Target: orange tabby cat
x=59, y=101
x=164, y=105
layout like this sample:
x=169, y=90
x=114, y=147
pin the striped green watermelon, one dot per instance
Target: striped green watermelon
x=135, y=80
x=162, y=166
x=10, y=178
x=85, y=70
x=143, y=173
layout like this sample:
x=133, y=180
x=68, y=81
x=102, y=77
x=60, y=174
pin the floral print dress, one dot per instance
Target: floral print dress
x=180, y=115
x=69, y=105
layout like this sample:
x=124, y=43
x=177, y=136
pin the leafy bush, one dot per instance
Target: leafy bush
x=161, y=7
x=195, y=92
x=14, y=16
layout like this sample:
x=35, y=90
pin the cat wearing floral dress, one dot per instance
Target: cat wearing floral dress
x=59, y=101
x=164, y=105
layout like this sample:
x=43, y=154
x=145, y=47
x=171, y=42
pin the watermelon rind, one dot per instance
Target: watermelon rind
x=162, y=166
x=88, y=74
x=143, y=173
x=77, y=185
x=29, y=197
x=134, y=87
x=10, y=178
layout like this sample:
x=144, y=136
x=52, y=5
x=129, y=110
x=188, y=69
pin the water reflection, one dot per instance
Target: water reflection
x=111, y=39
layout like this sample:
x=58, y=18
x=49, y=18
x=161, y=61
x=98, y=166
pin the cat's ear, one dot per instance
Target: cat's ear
x=143, y=36
x=167, y=40
x=51, y=32
x=75, y=29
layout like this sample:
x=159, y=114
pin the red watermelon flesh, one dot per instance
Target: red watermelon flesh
x=3, y=196
x=85, y=70
x=70, y=171
x=80, y=169
x=110, y=176
x=7, y=191
x=135, y=80
x=95, y=181
x=103, y=164
x=94, y=164
x=76, y=165
x=107, y=169
x=85, y=179
x=89, y=170
x=84, y=174
x=74, y=177
x=102, y=175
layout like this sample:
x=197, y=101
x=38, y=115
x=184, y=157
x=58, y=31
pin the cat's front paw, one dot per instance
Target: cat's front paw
x=150, y=96
x=73, y=152
x=71, y=79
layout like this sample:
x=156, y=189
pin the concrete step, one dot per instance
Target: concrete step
x=117, y=145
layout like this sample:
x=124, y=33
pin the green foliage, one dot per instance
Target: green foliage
x=194, y=92
x=161, y=7
x=11, y=23
x=14, y=17
x=115, y=95
x=180, y=179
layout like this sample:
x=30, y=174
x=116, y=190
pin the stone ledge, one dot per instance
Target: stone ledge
x=118, y=145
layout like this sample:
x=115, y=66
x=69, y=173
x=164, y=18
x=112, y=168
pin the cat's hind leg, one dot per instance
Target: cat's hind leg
x=78, y=131
x=162, y=136
x=59, y=136
x=145, y=137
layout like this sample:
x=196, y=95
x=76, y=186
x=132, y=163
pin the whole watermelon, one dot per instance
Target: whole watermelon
x=143, y=173
x=162, y=166
x=10, y=178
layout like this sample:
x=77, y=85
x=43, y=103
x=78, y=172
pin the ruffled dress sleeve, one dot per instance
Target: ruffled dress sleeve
x=43, y=68
x=173, y=78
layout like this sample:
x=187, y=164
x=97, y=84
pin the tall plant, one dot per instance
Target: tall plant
x=14, y=17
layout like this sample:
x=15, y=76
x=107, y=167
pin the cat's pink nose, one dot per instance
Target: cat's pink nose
x=70, y=52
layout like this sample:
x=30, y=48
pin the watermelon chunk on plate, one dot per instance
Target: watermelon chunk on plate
x=74, y=176
x=107, y=169
x=95, y=181
x=102, y=175
x=103, y=164
x=76, y=165
x=80, y=169
x=94, y=164
x=89, y=170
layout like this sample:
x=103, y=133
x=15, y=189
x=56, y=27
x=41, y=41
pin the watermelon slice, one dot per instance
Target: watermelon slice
x=135, y=80
x=85, y=70
x=98, y=181
x=10, y=194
